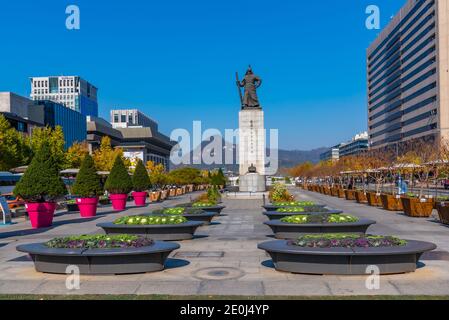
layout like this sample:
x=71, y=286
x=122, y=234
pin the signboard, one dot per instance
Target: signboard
x=5, y=210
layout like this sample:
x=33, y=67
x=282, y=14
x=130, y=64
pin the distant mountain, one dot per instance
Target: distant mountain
x=287, y=158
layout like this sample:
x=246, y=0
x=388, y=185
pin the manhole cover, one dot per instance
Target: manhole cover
x=222, y=273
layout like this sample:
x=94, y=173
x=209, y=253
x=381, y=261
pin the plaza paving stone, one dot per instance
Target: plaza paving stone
x=224, y=260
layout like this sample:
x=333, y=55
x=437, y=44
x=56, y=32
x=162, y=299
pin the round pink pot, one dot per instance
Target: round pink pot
x=140, y=198
x=118, y=201
x=87, y=206
x=41, y=214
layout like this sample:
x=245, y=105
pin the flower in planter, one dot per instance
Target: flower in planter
x=204, y=204
x=294, y=204
x=150, y=220
x=141, y=180
x=41, y=182
x=88, y=183
x=119, y=181
x=320, y=218
x=347, y=241
x=99, y=242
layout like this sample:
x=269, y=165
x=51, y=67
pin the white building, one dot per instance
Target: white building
x=71, y=91
x=126, y=118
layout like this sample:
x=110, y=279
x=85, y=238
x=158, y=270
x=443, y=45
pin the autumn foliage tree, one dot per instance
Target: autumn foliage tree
x=105, y=156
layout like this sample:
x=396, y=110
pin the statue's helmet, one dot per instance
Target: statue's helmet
x=250, y=70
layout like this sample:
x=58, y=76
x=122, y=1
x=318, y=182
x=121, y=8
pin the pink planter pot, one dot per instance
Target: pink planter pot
x=140, y=198
x=41, y=214
x=118, y=201
x=87, y=206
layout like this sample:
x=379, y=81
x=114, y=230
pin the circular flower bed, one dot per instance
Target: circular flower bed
x=150, y=220
x=320, y=218
x=204, y=204
x=301, y=209
x=177, y=211
x=294, y=204
x=347, y=241
x=99, y=242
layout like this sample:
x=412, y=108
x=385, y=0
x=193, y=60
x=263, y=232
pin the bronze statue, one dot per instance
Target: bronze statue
x=250, y=83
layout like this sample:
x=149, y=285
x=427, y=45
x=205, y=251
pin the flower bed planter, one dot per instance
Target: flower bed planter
x=417, y=208
x=334, y=192
x=345, y=261
x=360, y=197
x=88, y=207
x=350, y=195
x=391, y=203
x=72, y=207
x=270, y=207
x=41, y=214
x=373, y=199
x=283, y=230
x=327, y=191
x=443, y=212
x=100, y=261
x=341, y=193
x=165, y=232
x=155, y=196
x=140, y=198
x=273, y=215
x=118, y=201
x=215, y=209
x=190, y=214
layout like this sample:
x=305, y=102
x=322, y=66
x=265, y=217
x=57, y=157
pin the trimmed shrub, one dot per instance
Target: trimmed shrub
x=41, y=182
x=88, y=183
x=141, y=180
x=119, y=181
x=100, y=242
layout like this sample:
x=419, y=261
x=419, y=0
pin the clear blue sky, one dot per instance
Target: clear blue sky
x=175, y=60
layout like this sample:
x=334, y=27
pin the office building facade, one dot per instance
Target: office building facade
x=73, y=123
x=331, y=154
x=407, y=74
x=71, y=91
x=125, y=118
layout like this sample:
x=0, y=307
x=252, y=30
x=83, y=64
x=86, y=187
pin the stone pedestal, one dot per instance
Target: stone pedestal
x=252, y=149
x=252, y=182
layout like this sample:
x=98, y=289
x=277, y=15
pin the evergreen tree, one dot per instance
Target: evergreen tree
x=88, y=183
x=41, y=182
x=141, y=180
x=119, y=181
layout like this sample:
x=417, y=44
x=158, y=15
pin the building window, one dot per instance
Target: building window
x=123, y=118
x=115, y=118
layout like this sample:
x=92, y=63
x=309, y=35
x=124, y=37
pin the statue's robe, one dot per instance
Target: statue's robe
x=251, y=82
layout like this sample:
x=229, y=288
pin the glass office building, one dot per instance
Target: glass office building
x=408, y=93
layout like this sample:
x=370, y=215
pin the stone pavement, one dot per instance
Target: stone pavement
x=224, y=260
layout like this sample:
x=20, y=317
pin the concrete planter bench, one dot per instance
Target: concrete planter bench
x=345, y=261
x=283, y=230
x=270, y=207
x=163, y=232
x=273, y=215
x=100, y=261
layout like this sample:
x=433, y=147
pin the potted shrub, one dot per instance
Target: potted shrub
x=391, y=202
x=443, y=211
x=374, y=199
x=118, y=184
x=141, y=183
x=40, y=186
x=417, y=207
x=87, y=188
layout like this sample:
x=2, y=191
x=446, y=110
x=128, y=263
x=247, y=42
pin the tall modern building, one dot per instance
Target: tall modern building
x=126, y=118
x=408, y=76
x=71, y=91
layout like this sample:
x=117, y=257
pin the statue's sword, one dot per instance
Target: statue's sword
x=238, y=88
